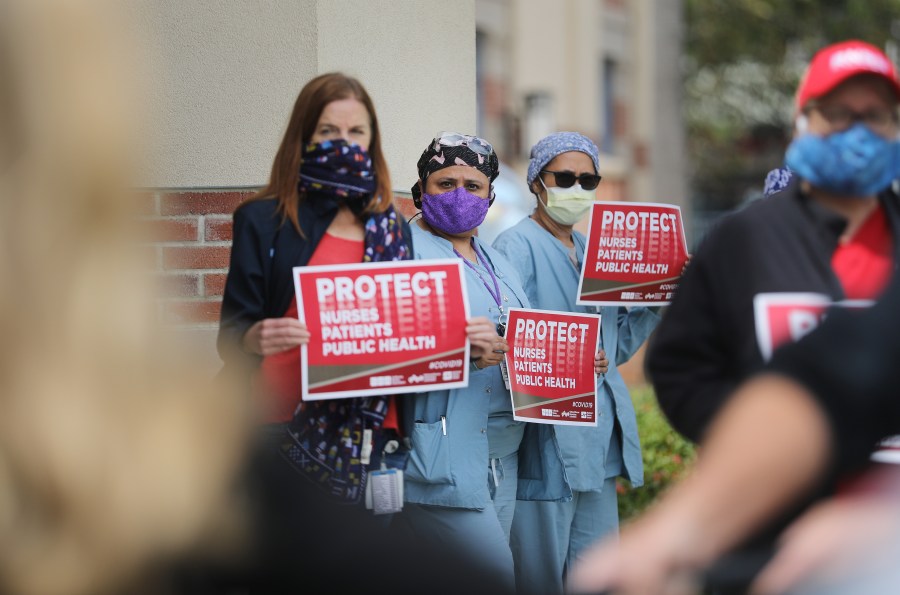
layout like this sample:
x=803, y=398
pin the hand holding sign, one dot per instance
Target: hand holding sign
x=483, y=337
x=601, y=364
x=274, y=335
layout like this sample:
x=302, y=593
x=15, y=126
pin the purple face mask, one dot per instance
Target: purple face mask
x=454, y=212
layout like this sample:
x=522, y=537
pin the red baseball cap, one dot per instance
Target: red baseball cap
x=834, y=64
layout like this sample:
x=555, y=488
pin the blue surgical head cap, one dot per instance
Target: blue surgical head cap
x=546, y=149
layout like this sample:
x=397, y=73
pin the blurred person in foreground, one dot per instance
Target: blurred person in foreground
x=832, y=231
x=813, y=414
x=115, y=464
x=547, y=537
x=831, y=234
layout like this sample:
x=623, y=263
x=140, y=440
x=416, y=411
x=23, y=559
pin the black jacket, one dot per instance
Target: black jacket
x=263, y=253
x=706, y=342
x=857, y=385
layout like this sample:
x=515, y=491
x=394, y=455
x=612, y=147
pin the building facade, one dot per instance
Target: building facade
x=606, y=68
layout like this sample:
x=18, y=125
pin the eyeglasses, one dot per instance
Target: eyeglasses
x=455, y=139
x=841, y=118
x=565, y=179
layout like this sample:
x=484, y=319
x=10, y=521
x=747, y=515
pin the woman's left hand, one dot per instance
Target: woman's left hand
x=482, y=335
x=601, y=364
x=495, y=356
x=487, y=346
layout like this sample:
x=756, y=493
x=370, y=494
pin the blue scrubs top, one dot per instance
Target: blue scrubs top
x=550, y=280
x=504, y=434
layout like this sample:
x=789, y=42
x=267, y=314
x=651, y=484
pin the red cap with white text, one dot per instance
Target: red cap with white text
x=836, y=63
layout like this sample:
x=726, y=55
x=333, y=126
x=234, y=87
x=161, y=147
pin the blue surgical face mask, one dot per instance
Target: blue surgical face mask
x=855, y=162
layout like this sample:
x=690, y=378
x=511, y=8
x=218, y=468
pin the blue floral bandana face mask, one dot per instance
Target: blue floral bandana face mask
x=855, y=162
x=339, y=170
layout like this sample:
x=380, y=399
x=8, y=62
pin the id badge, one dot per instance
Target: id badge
x=384, y=491
x=504, y=371
x=365, y=454
x=501, y=330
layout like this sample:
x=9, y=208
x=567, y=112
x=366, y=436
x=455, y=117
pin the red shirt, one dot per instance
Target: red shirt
x=280, y=375
x=864, y=263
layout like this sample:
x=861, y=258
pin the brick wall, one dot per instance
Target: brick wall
x=190, y=241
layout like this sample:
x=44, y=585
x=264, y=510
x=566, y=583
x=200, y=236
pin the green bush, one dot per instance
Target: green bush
x=666, y=456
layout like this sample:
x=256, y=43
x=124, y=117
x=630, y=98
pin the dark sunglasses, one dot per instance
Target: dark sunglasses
x=566, y=179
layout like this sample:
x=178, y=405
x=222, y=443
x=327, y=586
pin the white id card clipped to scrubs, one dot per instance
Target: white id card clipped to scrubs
x=384, y=490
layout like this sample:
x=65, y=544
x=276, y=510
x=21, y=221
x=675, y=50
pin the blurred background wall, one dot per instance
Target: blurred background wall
x=606, y=68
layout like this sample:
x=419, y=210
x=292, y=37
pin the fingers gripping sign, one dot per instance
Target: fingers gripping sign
x=601, y=363
x=487, y=346
x=274, y=335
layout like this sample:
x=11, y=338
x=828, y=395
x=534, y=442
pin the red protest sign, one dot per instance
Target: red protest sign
x=782, y=318
x=551, y=366
x=634, y=255
x=786, y=317
x=382, y=328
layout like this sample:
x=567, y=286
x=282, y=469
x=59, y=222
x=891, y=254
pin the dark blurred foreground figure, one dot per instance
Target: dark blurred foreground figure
x=832, y=231
x=774, y=446
x=831, y=235
x=815, y=413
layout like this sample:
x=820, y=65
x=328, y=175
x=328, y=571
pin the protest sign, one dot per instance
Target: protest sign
x=382, y=328
x=551, y=366
x=634, y=255
x=785, y=317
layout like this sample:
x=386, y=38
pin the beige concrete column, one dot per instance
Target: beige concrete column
x=221, y=78
x=225, y=76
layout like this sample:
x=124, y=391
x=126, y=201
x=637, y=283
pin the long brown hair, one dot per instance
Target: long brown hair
x=313, y=98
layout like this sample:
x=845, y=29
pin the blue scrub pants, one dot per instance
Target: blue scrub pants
x=547, y=537
x=483, y=533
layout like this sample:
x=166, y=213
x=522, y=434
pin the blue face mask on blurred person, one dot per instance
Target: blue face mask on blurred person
x=854, y=162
